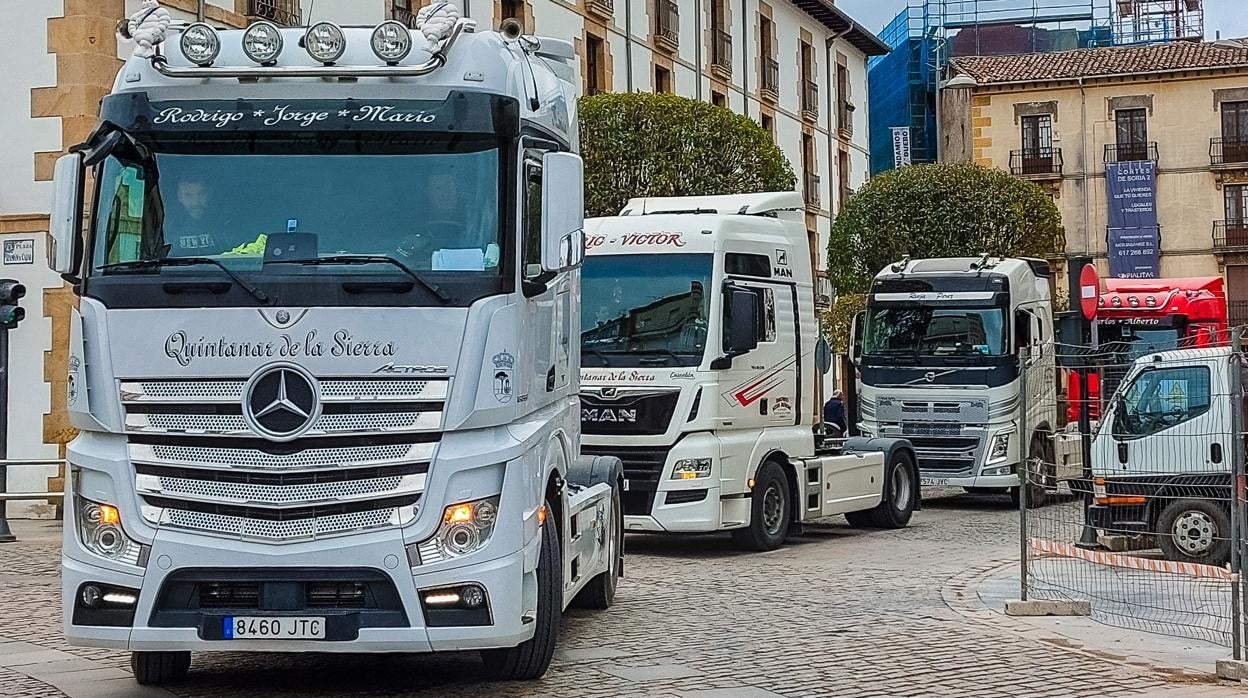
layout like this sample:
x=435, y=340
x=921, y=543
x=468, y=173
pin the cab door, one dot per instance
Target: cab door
x=761, y=388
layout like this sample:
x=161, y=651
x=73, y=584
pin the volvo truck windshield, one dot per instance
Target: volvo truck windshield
x=926, y=331
x=645, y=310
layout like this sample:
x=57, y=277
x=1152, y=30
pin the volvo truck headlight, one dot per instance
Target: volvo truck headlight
x=466, y=528
x=262, y=42
x=200, y=44
x=325, y=42
x=1000, y=446
x=392, y=41
x=99, y=529
x=691, y=469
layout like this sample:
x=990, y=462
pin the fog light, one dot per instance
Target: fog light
x=325, y=42
x=472, y=596
x=91, y=596
x=200, y=44
x=262, y=42
x=392, y=41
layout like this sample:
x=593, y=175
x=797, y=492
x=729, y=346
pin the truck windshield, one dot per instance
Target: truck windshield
x=645, y=310
x=923, y=330
x=1130, y=343
x=432, y=203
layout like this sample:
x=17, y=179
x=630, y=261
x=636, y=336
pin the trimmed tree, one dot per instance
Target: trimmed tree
x=939, y=211
x=642, y=144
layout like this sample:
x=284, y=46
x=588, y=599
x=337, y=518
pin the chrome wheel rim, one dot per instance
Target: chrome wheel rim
x=901, y=487
x=773, y=509
x=1194, y=532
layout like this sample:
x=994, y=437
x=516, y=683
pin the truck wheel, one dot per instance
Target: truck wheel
x=900, y=495
x=771, y=511
x=599, y=593
x=159, y=668
x=1194, y=530
x=1038, y=484
x=530, y=659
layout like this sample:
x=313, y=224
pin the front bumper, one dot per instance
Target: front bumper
x=936, y=478
x=1126, y=519
x=706, y=514
x=381, y=555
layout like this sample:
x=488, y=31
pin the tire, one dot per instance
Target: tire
x=530, y=659
x=1194, y=530
x=901, y=491
x=159, y=668
x=771, y=511
x=988, y=490
x=1037, y=492
x=599, y=593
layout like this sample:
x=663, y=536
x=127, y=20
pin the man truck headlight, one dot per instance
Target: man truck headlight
x=99, y=529
x=692, y=469
x=466, y=528
x=1000, y=446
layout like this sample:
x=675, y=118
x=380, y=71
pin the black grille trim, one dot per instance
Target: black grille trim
x=282, y=479
x=273, y=514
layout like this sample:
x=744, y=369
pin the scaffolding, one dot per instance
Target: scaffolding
x=1156, y=21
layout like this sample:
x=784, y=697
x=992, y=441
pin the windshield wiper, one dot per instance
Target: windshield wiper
x=254, y=292
x=349, y=259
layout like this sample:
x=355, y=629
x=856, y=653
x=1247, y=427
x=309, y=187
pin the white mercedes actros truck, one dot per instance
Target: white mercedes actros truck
x=698, y=350
x=322, y=364
x=938, y=353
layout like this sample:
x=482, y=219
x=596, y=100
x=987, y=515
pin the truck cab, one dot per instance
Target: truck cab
x=941, y=346
x=698, y=346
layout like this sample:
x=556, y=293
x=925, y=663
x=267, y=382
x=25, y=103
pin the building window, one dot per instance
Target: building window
x=1037, y=152
x=844, y=107
x=810, y=177
x=1236, y=197
x=721, y=39
x=810, y=88
x=769, y=68
x=769, y=125
x=1234, y=132
x=667, y=23
x=595, y=64
x=719, y=99
x=1131, y=140
x=842, y=173
x=662, y=79
x=513, y=9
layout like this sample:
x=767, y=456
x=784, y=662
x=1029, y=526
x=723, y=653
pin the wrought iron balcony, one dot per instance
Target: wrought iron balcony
x=810, y=99
x=769, y=81
x=1037, y=163
x=1237, y=312
x=1229, y=153
x=721, y=51
x=1130, y=152
x=811, y=190
x=1230, y=235
x=283, y=12
x=603, y=8
x=845, y=118
x=667, y=24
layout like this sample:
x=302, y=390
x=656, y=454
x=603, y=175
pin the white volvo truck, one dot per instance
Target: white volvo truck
x=698, y=345
x=938, y=352
x=321, y=364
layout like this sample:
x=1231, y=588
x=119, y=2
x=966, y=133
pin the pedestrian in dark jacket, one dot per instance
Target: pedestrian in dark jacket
x=834, y=412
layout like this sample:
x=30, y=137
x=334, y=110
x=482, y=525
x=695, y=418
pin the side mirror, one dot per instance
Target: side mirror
x=65, y=221
x=855, y=337
x=740, y=321
x=563, y=212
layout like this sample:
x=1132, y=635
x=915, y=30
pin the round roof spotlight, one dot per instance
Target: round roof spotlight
x=1150, y=301
x=1134, y=301
x=392, y=41
x=325, y=42
x=200, y=44
x=262, y=42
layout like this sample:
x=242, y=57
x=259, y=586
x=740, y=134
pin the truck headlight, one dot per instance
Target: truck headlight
x=466, y=528
x=1000, y=446
x=99, y=529
x=692, y=469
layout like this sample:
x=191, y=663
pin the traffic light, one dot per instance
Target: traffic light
x=10, y=312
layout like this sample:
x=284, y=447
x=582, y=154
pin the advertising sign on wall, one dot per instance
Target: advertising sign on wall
x=1134, y=235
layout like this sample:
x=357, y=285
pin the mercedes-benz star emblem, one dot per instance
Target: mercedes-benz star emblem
x=281, y=402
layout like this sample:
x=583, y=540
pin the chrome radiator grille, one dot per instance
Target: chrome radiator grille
x=361, y=464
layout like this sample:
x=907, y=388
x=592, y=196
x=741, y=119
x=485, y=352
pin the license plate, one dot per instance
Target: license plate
x=934, y=481
x=271, y=628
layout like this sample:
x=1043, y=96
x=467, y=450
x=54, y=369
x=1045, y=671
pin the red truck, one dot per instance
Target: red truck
x=1139, y=316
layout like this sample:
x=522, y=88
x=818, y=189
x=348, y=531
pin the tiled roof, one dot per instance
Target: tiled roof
x=1097, y=62
x=835, y=19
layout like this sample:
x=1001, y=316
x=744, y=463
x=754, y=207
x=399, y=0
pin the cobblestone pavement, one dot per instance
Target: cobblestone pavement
x=837, y=612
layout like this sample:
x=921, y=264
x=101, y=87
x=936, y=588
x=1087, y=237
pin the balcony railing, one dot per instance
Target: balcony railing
x=1130, y=152
x=770, y=79
x=721, y=51
x=667, y=24
x=604, y=8
x=404, y=15
x=1040, y=163
x=845, y=117
x=1237, y=312
x=1228, y=152
x=283, y=12
x=810, y=99
x=1230, y=235
x=810, y=190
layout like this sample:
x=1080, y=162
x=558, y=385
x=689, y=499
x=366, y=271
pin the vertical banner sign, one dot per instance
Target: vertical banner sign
x=901, y=146
x=1134, y=235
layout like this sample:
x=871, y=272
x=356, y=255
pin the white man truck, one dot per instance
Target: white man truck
x=320, y=409
x=938, y=354
x=1162, y=457
x=698, y=346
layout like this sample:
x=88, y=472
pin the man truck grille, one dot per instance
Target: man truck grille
x=361, y=464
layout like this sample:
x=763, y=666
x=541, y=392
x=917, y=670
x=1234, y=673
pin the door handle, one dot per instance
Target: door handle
x=1215, y=452
x=1122, y=452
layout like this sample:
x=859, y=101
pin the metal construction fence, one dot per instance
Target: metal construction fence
x=1136, y=511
